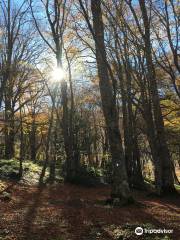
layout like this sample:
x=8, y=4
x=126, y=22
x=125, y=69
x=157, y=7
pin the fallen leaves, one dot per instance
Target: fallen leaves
x=69, y=212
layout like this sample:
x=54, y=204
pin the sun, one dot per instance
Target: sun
x=57, y=74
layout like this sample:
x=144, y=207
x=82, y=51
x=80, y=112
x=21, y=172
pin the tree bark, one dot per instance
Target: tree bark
x=120, y=186
x=164, y=176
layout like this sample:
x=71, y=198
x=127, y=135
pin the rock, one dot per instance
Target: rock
x=5, y=196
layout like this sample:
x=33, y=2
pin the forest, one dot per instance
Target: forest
x=89, y=119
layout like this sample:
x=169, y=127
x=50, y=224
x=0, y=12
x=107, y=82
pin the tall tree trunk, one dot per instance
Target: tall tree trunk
x=33, y=139
x=8, y=91
x=9, y=130
x=70, y=169
x=120, y=186
x=21, y=155
x=46, y=161
x=132, y=156
x=164, y=177
x=52, y=167
x=137, y=178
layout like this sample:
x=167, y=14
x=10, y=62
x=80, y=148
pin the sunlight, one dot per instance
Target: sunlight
x=57, y=74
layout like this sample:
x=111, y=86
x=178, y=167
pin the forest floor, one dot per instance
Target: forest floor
x=69, y=212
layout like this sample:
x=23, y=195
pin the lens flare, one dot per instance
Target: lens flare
x=57, y=75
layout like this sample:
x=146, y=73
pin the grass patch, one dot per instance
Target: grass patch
x=177, y=187
x=9, y=169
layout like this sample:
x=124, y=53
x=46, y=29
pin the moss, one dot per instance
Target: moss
x=177, y=187
x=9, y=169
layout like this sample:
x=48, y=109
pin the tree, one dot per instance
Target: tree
x=120, y=187
x=57, y=14
x=17, y=39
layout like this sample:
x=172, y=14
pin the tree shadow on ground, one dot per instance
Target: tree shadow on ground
x=72, y=212
x=32, y=212
x=90, y=216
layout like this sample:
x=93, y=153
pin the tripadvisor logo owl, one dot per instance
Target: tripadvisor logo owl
x=139, y=231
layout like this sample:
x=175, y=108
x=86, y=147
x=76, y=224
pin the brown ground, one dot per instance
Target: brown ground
x=68, y=212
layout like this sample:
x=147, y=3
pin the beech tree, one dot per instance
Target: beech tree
x=120, y=186
x=90, y=90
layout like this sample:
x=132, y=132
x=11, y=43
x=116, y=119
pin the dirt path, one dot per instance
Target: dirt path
x=67, y=212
